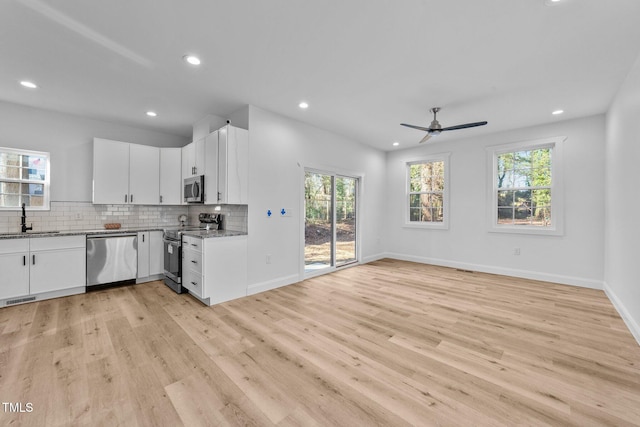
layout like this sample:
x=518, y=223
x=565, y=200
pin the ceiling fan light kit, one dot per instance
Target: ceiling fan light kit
x=435, y=128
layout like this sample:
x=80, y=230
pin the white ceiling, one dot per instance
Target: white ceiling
x=364, y=66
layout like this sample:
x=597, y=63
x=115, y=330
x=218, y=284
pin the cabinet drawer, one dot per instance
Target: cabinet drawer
x=193, y=243
x=193, y=282
x=11, y=246
x=55, y=243
x=192, y=260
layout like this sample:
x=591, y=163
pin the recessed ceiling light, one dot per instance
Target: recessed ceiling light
x=191, y=59
x=557, y=112
x=551, y=2
x=152, y=113
x=303, y=105
x=395, y=144
x=28, y=84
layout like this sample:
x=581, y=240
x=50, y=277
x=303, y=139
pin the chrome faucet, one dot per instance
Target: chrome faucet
x=24, y=221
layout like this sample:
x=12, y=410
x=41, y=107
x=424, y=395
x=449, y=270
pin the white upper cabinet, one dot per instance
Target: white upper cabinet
x=170, y=176
x=144, y=174
x=211, y=165
x=193, y=159
x=125, y=173
x=233, y=165
x=110, y=171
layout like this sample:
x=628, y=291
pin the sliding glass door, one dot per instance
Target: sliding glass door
x=345, y=223
x=330, y=220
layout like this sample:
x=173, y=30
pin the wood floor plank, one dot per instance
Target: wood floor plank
x=385, y=343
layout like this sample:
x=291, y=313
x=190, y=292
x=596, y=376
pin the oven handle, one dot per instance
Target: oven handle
x=175, y=243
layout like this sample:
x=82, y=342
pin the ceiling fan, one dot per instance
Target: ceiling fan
x=435, y=128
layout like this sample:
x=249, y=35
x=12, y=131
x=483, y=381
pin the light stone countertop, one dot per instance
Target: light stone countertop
x=205, y=234
x=29, y=234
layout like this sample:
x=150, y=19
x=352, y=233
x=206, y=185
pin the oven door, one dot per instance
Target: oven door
x=173, y=259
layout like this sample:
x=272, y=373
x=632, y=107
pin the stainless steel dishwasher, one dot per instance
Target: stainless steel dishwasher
x=111, y=259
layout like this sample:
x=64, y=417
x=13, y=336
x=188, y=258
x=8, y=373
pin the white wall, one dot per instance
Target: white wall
x=622, y=282
x=279, y=149
x=575, y=258
x=69, y=139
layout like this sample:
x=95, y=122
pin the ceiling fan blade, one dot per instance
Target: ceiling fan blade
x=426, y=138
x=415, y=127
x=464, y=126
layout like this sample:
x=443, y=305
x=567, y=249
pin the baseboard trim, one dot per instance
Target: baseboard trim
x=525, y=274
x=256, y=288
x=632, y=324
x=372, y=258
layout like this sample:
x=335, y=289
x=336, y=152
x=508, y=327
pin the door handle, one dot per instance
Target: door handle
x=34, y=259
x=131, y=199
x=24, y=260
x=125, y=198
x=160, y=199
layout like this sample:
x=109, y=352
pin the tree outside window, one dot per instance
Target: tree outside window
x=427, y=192
x=525, y=179
x=524, y=187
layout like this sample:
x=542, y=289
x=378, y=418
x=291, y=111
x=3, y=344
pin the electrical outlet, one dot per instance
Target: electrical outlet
x=516, y=251
x=78, y=215
x=268, y=258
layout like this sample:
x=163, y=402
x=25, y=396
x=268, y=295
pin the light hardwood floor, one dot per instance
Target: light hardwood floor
x=387, y=343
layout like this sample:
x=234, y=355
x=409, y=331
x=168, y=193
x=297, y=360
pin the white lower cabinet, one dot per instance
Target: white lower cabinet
x=143, y=254
x=42, y=265
x=14, y=267
x=215, y=269
x=150, y=255
x=156, y=253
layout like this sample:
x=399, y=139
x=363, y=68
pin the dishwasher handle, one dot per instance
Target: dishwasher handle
x=110, y=235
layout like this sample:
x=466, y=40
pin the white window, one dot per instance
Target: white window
x=526, y=187
x=428, y=192
x=24, y=179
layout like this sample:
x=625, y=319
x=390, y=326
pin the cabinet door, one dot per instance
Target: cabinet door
x=15, y=275
x=156, y=253
x=143, y=254
x=110, y=171
x=170, y=176
x=57, y=269
x=233, y=165
x=188, y=160
x=199, y=153
x=211, y=167
x=144, y=174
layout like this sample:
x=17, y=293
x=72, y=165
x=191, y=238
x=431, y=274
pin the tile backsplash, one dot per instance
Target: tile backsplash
x=69, y=216
x=235, y=216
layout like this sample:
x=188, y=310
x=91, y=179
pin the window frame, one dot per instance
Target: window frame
x=444, y=224
x=46, y=192
x=556, y=228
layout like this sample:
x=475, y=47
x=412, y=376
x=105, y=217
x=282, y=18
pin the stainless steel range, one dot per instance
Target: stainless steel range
x=173, y=248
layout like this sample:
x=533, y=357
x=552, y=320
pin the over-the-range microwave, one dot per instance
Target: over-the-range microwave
x=194, y=189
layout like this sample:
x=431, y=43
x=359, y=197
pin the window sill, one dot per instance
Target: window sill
x=547, y=231
x=426, y=226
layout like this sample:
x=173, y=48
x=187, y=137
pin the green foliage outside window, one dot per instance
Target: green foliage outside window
x=524, y=187
x=426, y=192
